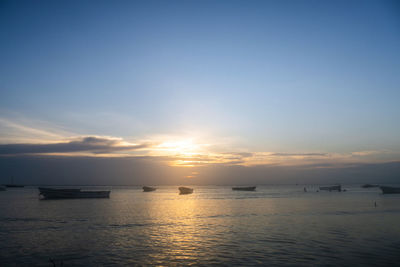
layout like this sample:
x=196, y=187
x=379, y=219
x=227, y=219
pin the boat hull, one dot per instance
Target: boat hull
x=50, y=193
x=249, y=188
x=369, y=185
x=148, y=189
x=331, y=188
x=185, y=190
x=390, y=190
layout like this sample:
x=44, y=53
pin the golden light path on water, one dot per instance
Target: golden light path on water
x=216, y=225
x=183, y=224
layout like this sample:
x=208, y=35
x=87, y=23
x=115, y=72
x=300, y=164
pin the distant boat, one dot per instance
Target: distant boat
x=148, y=189
x=331, y=188
x=369, y=185
x=185, y=190
x=245, y=188
x=2, y=188
x=12, y=183
x=52, y=193
x=390, y=190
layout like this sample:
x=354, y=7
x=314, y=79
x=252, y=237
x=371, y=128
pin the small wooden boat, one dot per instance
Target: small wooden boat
x=390, y=190
x=369, y=185
x=185, y=190
x=331, y=188
x=148, y=189
x=248, y=188
x=12, y=183
x=52, y=193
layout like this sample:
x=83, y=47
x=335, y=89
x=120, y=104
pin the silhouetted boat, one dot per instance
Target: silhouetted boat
x=248, y=188
x=148, y=189
x=331, y=188
x=12, y=183
x=185, y=190
x=369, y=185
x=390, y=190
x=52, y=193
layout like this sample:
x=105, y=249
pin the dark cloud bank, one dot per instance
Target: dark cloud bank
x=87, y=144
x=53, y=170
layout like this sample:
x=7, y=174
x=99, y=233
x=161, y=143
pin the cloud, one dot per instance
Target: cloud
x=241, y=154
x=188, y=153
x=23, y=131
x=300, y=154
x=367, y=153
x=91, y=144
x=56, y=170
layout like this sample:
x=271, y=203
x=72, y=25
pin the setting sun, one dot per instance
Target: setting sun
x=182, y=147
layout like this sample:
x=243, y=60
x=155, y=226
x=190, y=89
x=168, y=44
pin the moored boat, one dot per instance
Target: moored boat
x=244, y=188
x=13, y=185
x=369, y=185
x=52, y=193
x=331, y=188
x=148, y=189
x=185, y=190
x=390, y=190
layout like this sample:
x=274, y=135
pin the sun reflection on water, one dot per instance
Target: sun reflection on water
x=179, y=235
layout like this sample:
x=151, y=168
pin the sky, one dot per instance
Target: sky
x=194, y=86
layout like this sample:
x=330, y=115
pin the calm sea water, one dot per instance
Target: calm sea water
x=276, y=225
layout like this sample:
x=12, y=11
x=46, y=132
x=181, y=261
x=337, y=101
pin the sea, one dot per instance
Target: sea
x=277, y=225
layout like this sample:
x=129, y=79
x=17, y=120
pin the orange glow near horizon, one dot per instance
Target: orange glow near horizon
x=185, y=147
x=191, y=152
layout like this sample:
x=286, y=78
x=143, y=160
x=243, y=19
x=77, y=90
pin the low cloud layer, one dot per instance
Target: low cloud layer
x=186, y=153
x=299, y=154
x=90, y=144
x=56, y=170
x=109, y=160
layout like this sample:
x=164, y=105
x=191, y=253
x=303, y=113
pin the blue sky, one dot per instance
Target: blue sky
x=229, y=76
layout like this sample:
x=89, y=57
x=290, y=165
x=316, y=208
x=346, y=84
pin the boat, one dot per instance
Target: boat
x=148, y=189
x=53, y=193
x=369, y=185
x=2, y=188
x=185, y=190
x=331, y=188
x=248, y=188
x=390, y=190
x=12, y=183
